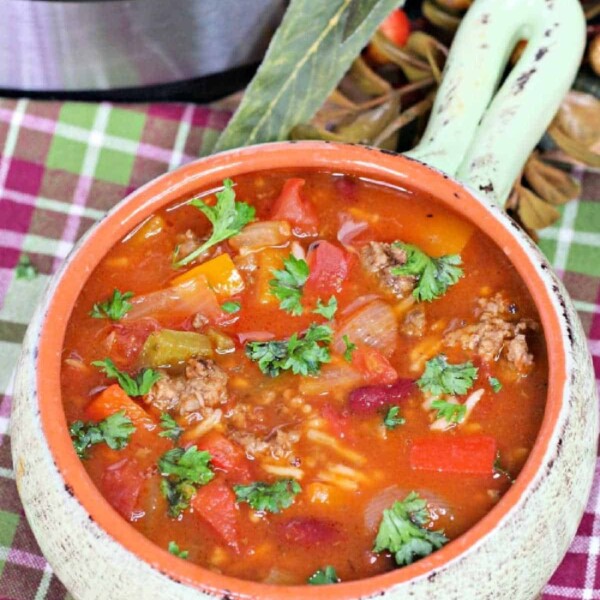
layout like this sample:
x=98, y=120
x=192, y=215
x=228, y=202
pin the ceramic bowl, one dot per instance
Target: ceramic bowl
x=510, y=553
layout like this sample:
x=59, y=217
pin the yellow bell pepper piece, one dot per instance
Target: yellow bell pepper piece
x=221, y=274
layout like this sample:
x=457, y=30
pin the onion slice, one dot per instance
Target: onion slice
x=373, y=324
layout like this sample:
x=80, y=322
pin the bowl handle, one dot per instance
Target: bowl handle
x=483, y=138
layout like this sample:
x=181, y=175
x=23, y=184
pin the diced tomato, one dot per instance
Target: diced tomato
x=290, y=206
x=215, y=504
x=114, y=399
x=396, y=27
x=121, y=484
x=125, y=340
x=338, y=421
x=370, y=399
x=373, y=366
x=469, y=455
x=226, y=455
x=307, y=531
x=329, y=266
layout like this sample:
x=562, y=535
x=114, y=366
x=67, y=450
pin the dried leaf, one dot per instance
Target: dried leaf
x=405, y=118
x=576, y=127
x=454, y=5
x=440, y=17
x=414, y=67
x=308, y=55
x=551, y=184
x=367, y=80
x=362, y=129
x=533, y=212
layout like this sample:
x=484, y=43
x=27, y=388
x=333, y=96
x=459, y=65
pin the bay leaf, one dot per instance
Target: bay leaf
x=308, y=55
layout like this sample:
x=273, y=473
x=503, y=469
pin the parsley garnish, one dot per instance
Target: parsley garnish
x=451, y=412
x=115, y=308
x=174, y=549
x=402, y=531
x=350, y=348
x=228, y=217
x=25, y=269
x=267, y=497
x=434, y=275
x=442, y=378
x=324, y=576
x=288, y=282
x=183, y=471
x=327, y=310
x=115, y=431
x=393, y=418
x=495, y=384
x=170, y=427
x=231, y=306
x=139, y=386
x=301, y=355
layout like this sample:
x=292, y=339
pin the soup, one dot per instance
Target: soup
x=304, y=377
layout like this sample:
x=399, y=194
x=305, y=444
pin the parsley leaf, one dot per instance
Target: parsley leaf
x=301, y=355
x=350, y=348
x=327, y=310
x=174, y=549
x=25, y=269
x=393, y=418
x=402, y=531
x=231, y=307
x=183, y=471
x=324, y=576
x=115, y=431
x=495, y=384
x=267, y=497
x=228, y=217
x=288, y=282
x=139, y=386
x=434, y=275
x=170, y=427
x=451, y=412
x=440, y=377
x=115, y=308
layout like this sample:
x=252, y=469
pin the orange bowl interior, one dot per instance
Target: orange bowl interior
x=182, y=184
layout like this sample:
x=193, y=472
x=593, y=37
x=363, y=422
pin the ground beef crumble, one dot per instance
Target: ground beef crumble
x=497, y=332
x=414, y=322
x=203, y=384
x=380, y=258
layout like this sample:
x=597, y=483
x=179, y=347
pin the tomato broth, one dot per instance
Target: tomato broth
x=243, y=431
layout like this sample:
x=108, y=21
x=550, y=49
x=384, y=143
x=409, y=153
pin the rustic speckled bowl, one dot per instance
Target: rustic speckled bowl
x=513, y=550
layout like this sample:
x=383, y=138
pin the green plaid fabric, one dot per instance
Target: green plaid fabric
x=62, y=165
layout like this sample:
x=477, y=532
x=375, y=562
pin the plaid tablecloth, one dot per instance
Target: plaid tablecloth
x=62, y=165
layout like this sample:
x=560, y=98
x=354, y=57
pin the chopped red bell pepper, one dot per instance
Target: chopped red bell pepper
x=121, y=484
x=227, y=456
x=290, y=206
x=470, y=455
x=329, y=266
x=215, y=504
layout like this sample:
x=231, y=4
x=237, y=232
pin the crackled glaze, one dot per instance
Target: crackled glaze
x=509, y=554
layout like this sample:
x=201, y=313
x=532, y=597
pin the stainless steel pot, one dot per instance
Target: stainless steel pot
x=106, y=44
